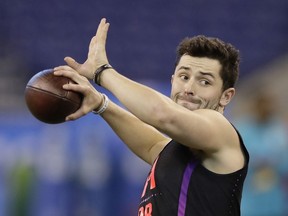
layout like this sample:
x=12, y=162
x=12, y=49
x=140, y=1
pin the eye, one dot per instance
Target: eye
x=183, y=77
x=205, y=82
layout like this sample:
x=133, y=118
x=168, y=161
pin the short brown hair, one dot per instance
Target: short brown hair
x=214, y=48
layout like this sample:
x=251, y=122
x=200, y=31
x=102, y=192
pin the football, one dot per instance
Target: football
x=47, y=100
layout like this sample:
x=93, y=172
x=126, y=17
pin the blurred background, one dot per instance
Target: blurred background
x=81, y=168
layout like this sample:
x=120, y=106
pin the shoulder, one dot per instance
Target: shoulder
x=204, y=129
x=225, y=154
x=220, y=132
x=210, y=113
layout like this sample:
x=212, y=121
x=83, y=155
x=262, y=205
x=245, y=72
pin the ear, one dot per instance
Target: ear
x=172, y=78
x=226, y=96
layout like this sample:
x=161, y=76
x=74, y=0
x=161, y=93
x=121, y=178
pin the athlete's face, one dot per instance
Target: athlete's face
x=196, y=84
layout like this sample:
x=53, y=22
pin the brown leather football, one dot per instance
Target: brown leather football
x=47, y=100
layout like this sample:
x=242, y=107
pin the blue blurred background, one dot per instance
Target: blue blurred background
x=81, y=168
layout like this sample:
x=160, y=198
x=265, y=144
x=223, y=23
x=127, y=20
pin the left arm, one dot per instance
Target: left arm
x=202, y=129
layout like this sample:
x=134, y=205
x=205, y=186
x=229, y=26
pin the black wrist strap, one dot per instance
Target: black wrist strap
x=98, y=72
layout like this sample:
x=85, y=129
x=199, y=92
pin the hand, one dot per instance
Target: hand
x=96, y=55
x=91, y=97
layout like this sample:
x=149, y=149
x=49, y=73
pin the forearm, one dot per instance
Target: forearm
x=144, y=102
x=144, y=140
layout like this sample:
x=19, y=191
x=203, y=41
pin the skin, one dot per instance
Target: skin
x=196, y=84
x=193, y=116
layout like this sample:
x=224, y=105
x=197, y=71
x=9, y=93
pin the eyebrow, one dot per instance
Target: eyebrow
x=201, y=72
x=207, y=74
x=184, y=67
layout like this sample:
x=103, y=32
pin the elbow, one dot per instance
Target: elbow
x=162, y=116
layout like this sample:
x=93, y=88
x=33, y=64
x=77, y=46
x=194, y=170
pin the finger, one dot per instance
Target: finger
x=62, y=71
x=74, y=87
x=83, y=110
x=78, y=114
x=101, y=33
x=105, y=33
x=98, y=42
x=69, y=73
x=62, y=67
x=72, y=63
x=98, y=32
x=100, y=26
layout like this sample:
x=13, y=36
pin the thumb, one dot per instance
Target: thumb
x=72, y=63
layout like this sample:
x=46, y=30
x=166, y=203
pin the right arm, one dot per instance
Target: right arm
x=142, y=139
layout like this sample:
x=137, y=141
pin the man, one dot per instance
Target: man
x=198, y=159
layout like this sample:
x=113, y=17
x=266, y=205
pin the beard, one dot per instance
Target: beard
x=193, y=102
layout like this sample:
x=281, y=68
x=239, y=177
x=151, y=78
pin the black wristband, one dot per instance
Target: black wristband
x=98, y=72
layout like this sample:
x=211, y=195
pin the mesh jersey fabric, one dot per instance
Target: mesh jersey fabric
x=178, y=184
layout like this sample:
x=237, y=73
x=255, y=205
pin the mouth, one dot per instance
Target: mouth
x=189, y=103
x=188, y=99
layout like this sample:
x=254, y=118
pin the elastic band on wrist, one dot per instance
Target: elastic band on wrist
x=98, y=72
x=103, y=106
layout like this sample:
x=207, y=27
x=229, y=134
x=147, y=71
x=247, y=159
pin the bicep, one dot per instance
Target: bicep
x=201, y=129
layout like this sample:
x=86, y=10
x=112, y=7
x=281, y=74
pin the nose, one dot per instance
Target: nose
x=189, y=88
